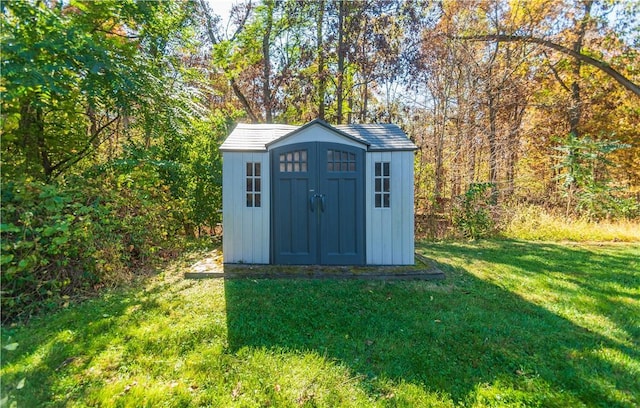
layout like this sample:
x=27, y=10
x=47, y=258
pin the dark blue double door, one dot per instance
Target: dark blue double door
x=317, y=204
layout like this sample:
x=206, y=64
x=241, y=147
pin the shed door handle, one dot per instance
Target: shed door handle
x=312, y=202
x=322, y=197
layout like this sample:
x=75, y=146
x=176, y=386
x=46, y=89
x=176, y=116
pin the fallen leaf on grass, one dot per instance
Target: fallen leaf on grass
x=129, y=386
x=236, y=390
x=11, y=347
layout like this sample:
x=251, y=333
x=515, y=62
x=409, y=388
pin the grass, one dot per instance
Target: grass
x=534, y=223
x=515, y=323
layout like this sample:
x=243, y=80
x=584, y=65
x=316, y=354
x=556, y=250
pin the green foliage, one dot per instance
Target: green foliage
x=515, y=324
x=584, y=164
x=105, y=157
x=59, y=240
x=196, y=176
x=74, y=74
x=471, y=213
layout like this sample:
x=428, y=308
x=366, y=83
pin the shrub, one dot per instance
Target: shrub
x=61, y=239
x=471, y=212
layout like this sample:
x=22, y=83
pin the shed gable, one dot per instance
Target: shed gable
x=317, y=131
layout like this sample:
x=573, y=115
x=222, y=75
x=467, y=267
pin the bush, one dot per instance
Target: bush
x=471, y=212
x=61, y=239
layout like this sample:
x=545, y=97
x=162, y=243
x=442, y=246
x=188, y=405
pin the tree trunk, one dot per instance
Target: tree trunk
x=243, y=100
x=512, y=146
x=266, y=56
x=575, y=110
x=365, y=101
x=31, y=126
x=440, y=117
x=493, y=147
x=320, y=50
x=232, y=81
x=341, y=51
x=493, y=93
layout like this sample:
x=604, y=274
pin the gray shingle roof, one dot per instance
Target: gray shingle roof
x=256, y=137
x=380, y=136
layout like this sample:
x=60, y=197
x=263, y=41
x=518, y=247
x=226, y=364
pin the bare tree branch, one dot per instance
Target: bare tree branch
x=243, y=100
x=91, y=144
x=557, y=75
x=215, y=40
x=601, y=65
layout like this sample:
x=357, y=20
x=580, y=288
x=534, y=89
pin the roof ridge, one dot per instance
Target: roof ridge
x=259, y=136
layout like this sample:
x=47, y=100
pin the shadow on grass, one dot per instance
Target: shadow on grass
x=597, y=279
x=457, y=335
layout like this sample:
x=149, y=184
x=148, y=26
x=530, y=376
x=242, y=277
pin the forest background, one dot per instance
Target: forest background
x=525, y=113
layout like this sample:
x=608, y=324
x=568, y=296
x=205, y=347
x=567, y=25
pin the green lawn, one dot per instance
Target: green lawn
x=513, y=324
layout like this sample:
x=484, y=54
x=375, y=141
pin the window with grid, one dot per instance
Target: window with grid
x=293, y=162
x=382, y=190
x=254, y=187
x=340, y=161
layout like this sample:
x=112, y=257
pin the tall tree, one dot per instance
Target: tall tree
x=343, y=9
x=321, y=59
x=266, y=60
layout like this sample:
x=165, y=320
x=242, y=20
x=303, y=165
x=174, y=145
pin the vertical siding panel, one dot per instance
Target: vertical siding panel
x=397, y=194
x=373, y=226
x=401, y=216
x=236, y=250
x=226, y=206
x=243, y=223
x=256, y=220
x=408, y=208
x=265, y=237
x=387, y=217
x=380, y=226
x=231, y=210
x=411, y=235
x=378, y=221
x=368, y=206
x=238, y=208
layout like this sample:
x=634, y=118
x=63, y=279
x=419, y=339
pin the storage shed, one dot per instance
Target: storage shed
x=318, y=194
